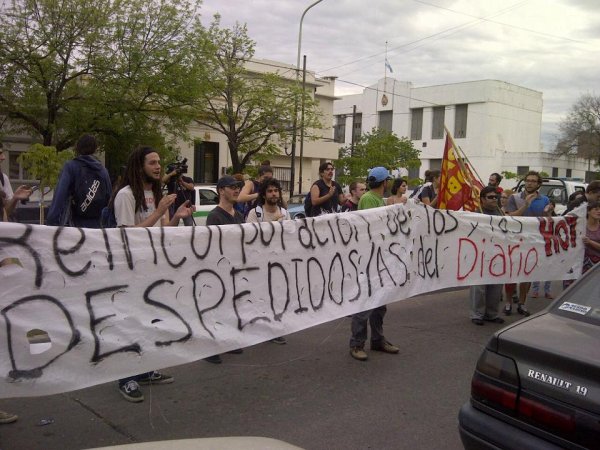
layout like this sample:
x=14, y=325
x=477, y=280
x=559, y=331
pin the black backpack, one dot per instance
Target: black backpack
x=89, y=193
x=308, y=205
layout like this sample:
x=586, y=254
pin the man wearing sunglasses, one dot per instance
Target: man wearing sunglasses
x=485, y=299
x=224, y=213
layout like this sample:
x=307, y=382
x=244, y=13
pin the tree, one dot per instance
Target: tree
x=120, y=68
x=580, y=130
x=377, y=148
x=44, y=163
x=249, y=108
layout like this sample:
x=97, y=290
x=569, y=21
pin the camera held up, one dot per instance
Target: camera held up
x=180, y=167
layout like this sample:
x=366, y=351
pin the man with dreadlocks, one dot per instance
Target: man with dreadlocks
x=139, y=203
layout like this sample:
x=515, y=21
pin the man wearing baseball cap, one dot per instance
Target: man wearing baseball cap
x=224, y=213
x=377, y=181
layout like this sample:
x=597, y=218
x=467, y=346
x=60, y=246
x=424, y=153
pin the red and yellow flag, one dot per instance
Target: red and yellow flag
x=459, y=188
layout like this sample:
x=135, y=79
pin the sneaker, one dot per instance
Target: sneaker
x=214, y=359
x=384, y=346
x=157, y=378
x=131, y=391
x=522, y=309
x=358, y=353
x=6, y=417
x=477, y=321
x=279, y=340
x=507, y=309
x=549, y=296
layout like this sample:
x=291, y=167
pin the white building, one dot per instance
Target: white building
x=209, y=158
x=496, y=124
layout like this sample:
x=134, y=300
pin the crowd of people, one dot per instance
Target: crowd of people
x=84, y=194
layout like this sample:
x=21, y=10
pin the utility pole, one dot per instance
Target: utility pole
x=352, y=132
x=302, y=124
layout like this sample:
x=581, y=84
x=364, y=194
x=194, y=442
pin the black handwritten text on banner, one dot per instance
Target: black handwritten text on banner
x=118, y=302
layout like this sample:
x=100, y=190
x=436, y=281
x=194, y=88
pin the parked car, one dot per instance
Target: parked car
x=537, y=383
x=296, y=206
x=558, y=190
x=207, y=199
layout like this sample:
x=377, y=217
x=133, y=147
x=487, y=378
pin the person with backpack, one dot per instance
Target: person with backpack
x=269, y=209
x=83, y=189
x=325, y=194
x=248, y=198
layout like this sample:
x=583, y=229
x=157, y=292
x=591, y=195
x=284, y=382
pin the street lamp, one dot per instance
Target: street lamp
x=295, y=124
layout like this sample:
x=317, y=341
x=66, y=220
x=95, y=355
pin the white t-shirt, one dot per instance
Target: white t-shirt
x=7, y=188
x=125, y=212
x=265, y=216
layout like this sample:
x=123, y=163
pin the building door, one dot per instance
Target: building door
x=206, y=162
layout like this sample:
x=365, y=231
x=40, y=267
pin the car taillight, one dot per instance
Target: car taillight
x=548, y=416
x=496, y=382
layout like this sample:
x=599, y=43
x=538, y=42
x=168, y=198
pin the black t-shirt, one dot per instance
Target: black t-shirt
x=219, y=216
x=182, y=193
x=331, y=205
x=428, y=192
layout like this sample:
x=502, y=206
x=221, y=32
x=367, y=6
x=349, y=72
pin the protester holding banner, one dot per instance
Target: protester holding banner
x=356, y=192
x=530, y=203
x=326, y=194
x=486, y=299
x=139, y=203
x=377, y=180
x=225, y=213
x=398, y=192
x=429, y=194
x=269, y=209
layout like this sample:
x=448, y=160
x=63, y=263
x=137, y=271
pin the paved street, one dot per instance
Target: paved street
x=309, y=393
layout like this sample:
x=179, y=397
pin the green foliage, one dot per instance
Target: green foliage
x=248, y=106
x=44, y=163
x=377, y=148
x=124, y=70
x=580, y=130
x=509, y=175
x=544, y=174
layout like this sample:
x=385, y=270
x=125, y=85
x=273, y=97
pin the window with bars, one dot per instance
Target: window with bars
x=339, y=130
x=357, y=129
x=283, y=175
x=460, y=121
x=437, y=126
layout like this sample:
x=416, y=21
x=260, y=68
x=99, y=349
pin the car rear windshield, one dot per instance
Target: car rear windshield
x=582, y=302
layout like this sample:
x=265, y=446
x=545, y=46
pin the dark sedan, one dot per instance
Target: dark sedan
x=537, y=383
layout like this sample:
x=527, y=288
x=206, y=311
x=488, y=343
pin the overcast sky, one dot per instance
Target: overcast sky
x=551, y=46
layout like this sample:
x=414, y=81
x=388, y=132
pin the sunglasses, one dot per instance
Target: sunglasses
x=491, y=197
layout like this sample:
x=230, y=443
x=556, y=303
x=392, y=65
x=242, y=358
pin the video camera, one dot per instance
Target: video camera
x=179, y=167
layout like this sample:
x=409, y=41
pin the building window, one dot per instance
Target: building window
x=522, y=170
x=339, y=129
x=283, y=175
x=435, y=164
x=416, y=124
x=460, y=121
x=555, y=172
x=385, y=120
x=437, y=126
x=15, y=169
x=357, y=128
x=569, y=173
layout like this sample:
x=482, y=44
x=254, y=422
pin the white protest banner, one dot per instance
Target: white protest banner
x=119, y=302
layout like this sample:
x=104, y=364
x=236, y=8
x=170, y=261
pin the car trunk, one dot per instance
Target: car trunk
x=556, y=357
